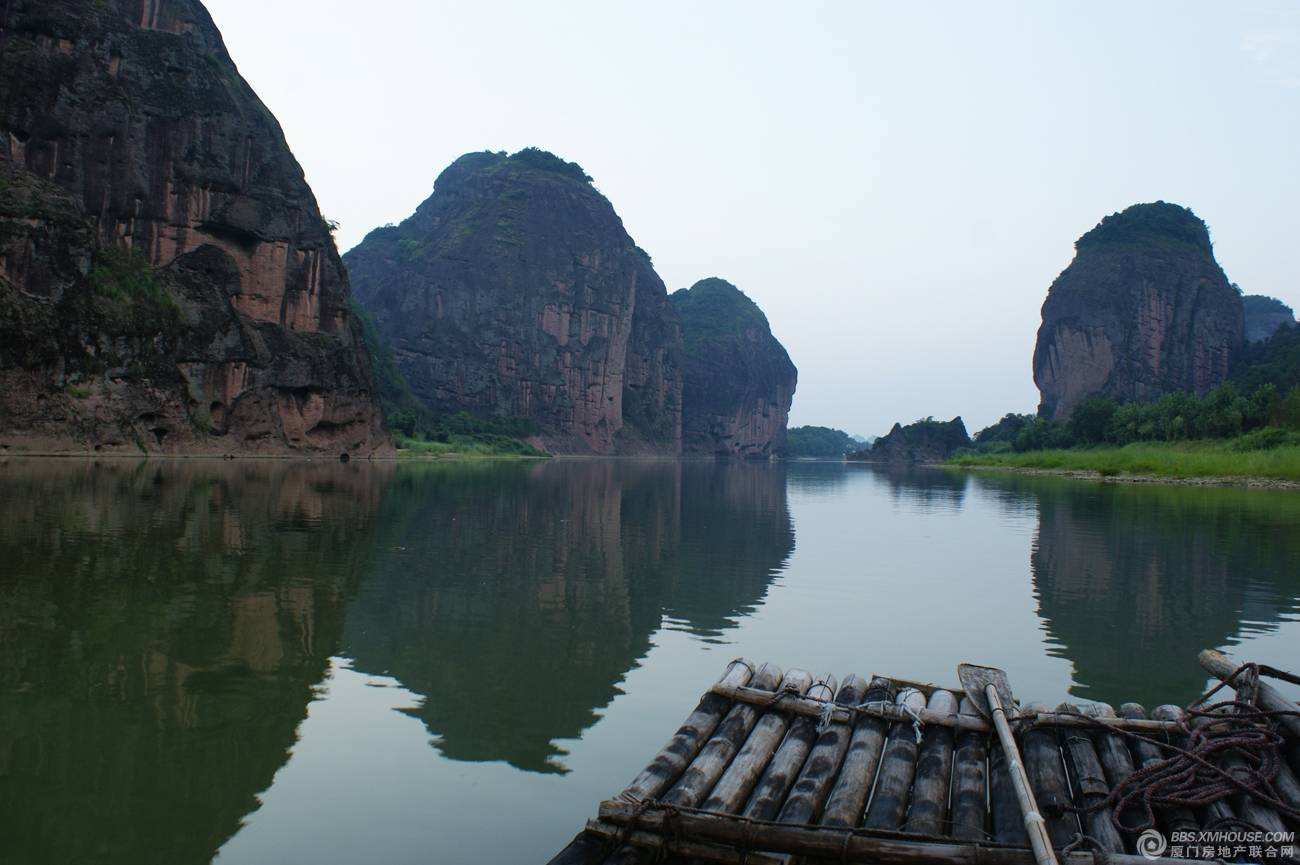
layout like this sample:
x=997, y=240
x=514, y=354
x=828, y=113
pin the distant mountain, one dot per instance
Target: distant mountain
x=1264, y=315
x=739, y=380
x=514, y=291
x=925, y=441
x=1143, y=309
x=820, y=442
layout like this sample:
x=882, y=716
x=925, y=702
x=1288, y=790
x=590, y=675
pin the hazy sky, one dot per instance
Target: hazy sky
x=896, y=184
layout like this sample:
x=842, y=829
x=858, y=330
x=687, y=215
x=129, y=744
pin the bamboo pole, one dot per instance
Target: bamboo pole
x=704, y=771
x=1222, y=666
x=1004, y=804
x=823, y=841
x=735, y=785
x=789, y=758
x=1090, y=781
x=673, y=758
x=897, y=768
x=1145, y=754
x=928, y=813
x=845, y=714
x=806, y=797
x=1048, y=781
x=848, y=798
x=969, y=781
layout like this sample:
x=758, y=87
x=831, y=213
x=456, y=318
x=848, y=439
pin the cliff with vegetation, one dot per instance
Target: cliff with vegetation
x=925, y=441
x=1143, y=310
x=1264, y=315
x=167, y=282
x=739, y=381
x=514, y=293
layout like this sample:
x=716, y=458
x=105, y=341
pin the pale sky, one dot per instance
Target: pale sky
x=895, y=184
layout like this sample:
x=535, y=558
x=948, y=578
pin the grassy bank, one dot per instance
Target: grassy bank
x=1198, y=459
x=465, y=447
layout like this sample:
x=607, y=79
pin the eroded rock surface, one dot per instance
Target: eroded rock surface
x=514, y=291
x=1144, y=309
x=739, y=380
x=167, y=282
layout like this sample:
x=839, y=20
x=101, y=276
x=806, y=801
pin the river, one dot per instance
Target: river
x=295, y=662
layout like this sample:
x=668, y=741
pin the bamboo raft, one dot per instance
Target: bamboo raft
x=783, y=767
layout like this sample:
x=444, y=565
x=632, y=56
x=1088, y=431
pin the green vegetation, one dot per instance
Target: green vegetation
x=713, y=311
x=417, y=430
x=819, y=441
x=1159, y=225
x=1274, y=361
x=1276, y=456
x=543, y=160
x=1223, y=413
x=125, y=275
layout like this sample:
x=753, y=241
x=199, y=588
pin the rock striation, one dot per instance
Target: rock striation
x=1143, y=309
x=167, y=282
x=925, y=441
x=739, y=381
x=514, y=291
x=1264, y=315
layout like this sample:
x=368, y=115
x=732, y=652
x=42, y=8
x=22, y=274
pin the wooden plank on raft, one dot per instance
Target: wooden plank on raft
x=806, y=797
x=708, y=766
x=586, y=849
x=970, y=781
x=1147, y=754
x=733, y=788
x=681, y=749
x=928, y=813
x=837, y=844
x=650, y=846
x=848, y=797
x=789, y=758
x=1090, y=782
x=897, y=768
x=1047, y=779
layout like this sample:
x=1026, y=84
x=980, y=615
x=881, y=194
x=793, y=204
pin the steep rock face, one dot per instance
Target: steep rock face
x=514, y=291
x=739, y=381
x=167, y=282
x=1264, y=315
x=1144, y=309
x=926, y=441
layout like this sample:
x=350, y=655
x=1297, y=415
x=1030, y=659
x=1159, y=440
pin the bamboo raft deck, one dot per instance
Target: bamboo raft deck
x=786, y=767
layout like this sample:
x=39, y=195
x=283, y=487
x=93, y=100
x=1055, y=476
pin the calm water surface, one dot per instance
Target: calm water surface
x=264, y=662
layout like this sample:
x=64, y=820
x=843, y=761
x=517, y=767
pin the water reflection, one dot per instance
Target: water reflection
x=532, y=589
x=1133, y=580
x=161, y=630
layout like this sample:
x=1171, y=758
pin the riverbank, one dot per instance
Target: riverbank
x=1201, y=462
x=466, y=447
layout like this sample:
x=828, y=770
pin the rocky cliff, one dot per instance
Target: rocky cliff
x=739, y=381
x=514, y=291
x=1264, y=315
x=1144, y=309
x=925, y=441
x=167, y=282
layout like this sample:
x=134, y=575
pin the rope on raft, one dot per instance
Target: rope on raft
x=1188, y=777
